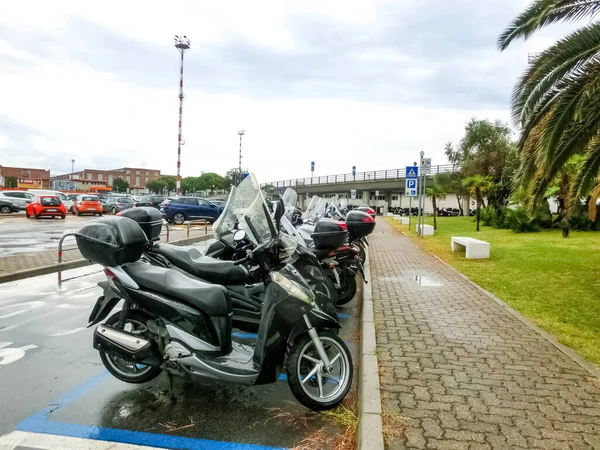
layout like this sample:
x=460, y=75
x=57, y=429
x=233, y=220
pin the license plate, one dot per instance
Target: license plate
x=52, y=210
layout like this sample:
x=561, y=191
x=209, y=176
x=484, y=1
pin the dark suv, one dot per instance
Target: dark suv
x=150, y=200
x=180, y=209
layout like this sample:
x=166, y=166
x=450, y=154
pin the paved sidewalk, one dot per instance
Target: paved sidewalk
x=24, y=261
x=462, y=370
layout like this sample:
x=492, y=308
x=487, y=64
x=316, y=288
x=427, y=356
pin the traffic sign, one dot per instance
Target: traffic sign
x=353, y=193
x=353, y=171
x=411, y=183
x=412, y=172
x=411, y=192
x=312, y=166
x=426, y=165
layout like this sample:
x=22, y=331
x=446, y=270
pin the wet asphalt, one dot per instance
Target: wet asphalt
x=21, y=235
x=46, y=351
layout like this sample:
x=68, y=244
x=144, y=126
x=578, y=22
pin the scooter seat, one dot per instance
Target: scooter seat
x=189, y=259
x=213, y=299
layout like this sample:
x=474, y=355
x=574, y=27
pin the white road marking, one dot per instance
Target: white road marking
x=72, y=306
x=26, y=439
x=11, y=355
x=66, y=332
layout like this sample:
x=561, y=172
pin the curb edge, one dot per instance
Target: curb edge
x=370, y=425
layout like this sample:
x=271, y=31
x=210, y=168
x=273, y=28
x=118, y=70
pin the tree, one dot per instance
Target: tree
x=233, y=177
x=211, y=182
x=451, y=182
x=555, y=102
x=436, y=191
x=487, y=149
x=163, y=182
x=478, y=185
x=561, y=188
x=120, y=185
x=11, y=182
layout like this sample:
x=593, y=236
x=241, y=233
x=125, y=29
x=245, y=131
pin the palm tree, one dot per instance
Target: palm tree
x=436, y=191
x=478, y=185
x=556, y=101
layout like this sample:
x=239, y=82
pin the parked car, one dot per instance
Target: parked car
x=73, y=197
x=150, y=200
x=46, y=206
x=68, y=202
x=19, y=198
x=180, y=209
x=114, y=205
x=7, y=207
x=87, y=204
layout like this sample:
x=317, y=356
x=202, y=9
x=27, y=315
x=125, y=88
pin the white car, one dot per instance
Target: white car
x=18, y=198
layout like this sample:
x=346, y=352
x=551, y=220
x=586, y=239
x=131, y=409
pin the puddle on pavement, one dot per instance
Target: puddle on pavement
x=426, y=281
x=421, y=280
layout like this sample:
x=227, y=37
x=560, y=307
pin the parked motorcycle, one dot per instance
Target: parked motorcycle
x=219, y=265
x=176, y=323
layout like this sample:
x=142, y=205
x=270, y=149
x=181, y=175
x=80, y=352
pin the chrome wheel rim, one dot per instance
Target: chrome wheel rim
x=318, y=384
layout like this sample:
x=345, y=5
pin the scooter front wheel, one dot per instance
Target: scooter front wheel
x=124, y=370
x=310, y=382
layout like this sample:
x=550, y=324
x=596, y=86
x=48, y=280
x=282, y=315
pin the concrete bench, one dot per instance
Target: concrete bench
x=427, y=230
x=402, y=220
x=474, y=248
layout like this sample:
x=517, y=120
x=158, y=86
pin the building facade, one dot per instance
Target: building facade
x=138, y=178
x=26, y=177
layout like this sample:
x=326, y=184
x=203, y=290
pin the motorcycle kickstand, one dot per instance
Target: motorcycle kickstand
x=172, y=397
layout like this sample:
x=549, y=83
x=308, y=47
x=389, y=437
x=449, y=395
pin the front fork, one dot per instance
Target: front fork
x=318, y=344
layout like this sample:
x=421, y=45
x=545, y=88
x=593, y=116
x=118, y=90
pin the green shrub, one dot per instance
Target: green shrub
x=488, y=215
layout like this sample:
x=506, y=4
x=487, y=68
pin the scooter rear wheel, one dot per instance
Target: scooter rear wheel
x=348, y=287
x=130, y=371
x=310, y=384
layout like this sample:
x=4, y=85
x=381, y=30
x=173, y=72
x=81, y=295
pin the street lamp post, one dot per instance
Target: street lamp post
x=240, y=133
x=182, y=44
x=72, y=168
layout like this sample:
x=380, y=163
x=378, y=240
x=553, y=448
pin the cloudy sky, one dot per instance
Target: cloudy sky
x=366, y=83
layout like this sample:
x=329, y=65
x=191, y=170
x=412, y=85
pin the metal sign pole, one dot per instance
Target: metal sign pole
x=419, y=199
x=424, y=196
x=409, y=211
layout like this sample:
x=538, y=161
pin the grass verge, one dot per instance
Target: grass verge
x=551, y=280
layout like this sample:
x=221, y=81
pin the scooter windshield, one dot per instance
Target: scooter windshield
x=289, y=197
x=312, y=205
x=245, y=210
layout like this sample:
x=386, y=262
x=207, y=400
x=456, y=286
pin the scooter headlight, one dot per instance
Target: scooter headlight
x=292, y=288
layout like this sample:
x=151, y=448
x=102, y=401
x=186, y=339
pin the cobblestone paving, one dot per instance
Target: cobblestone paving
x=463, y=371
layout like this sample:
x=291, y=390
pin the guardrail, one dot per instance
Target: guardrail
x=200, y=221
x=374, y=175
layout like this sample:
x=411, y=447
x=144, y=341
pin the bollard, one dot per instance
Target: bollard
x=205, y=227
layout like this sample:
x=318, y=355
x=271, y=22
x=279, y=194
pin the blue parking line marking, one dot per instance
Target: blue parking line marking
x=344, y=316
x=137, y=437
x=240, y=335
x=39, y=423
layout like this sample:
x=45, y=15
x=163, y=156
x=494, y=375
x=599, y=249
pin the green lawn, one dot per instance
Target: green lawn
x=553, y=281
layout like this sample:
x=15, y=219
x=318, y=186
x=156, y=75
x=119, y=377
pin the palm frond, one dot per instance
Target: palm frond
x=543, y=13
x=566, y=57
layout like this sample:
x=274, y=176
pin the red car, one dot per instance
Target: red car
x=87, y=204
x=46, y=206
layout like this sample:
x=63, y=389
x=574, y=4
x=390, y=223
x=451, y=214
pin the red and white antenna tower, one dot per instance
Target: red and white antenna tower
x=182, y=44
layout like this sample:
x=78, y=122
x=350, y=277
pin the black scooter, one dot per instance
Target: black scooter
x=174, y=322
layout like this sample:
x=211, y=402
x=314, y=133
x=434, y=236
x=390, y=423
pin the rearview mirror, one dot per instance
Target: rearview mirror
x=27, y=201
x=239, y=235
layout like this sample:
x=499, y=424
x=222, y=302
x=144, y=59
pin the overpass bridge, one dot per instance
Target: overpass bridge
x=376, y=188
